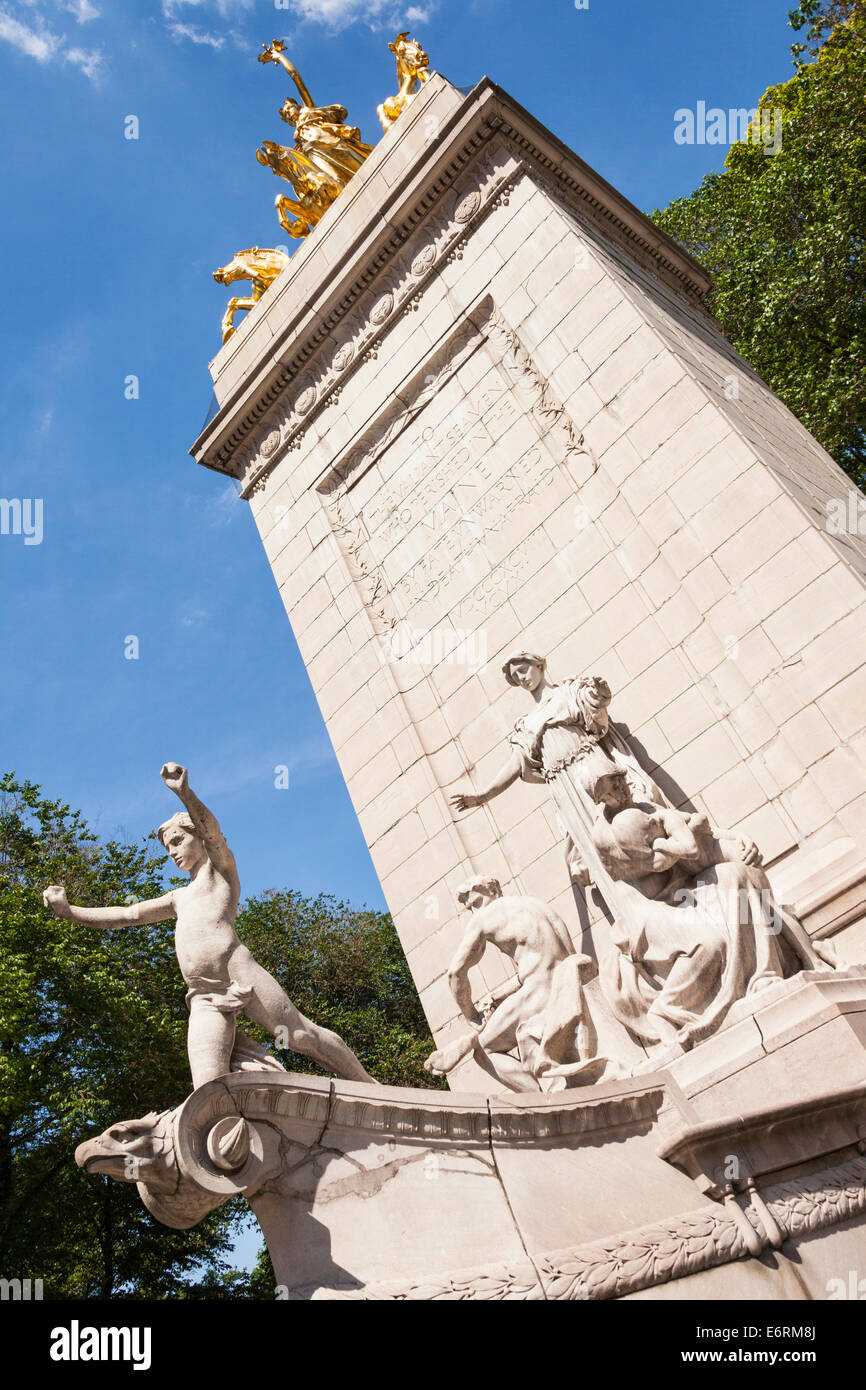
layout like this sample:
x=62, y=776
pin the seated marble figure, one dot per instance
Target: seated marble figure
x=697, y=927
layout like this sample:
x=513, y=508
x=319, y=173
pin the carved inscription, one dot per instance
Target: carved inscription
x=445, y=516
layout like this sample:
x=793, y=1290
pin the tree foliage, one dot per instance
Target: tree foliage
x=93, y=1030
x=783, y=234
x=345, y=969
x=819, y=18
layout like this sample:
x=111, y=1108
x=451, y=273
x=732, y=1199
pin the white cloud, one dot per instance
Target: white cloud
x=195, y=34
x=338, y=13
x=228, y=9
x=37, y=40
x=89, y=60
x=38, y=43
x=83, y=10
x=379, y=14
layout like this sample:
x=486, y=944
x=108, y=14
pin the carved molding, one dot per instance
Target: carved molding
x=649, y=1256
x=620, y=1105
x=418, y=253
x=377, y=309
x=766, y=1141
x=646, y=250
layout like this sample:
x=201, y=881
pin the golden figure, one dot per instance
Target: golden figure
x=326, y=153
x=412, y=73
x=257, y=264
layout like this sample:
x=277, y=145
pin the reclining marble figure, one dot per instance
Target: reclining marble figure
x=222, y=976
x=698, y=928
x=541, y=1013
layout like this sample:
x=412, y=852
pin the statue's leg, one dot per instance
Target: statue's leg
x=691, y=984
x=511, y=1072
x=499, y=1036
x=234, y=307
x=210, y=1039
x=287, y=208
x=272, y=1008
x=228, y=324
x=445, y=1059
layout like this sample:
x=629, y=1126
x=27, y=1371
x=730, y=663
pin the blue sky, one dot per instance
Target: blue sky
x=109, y=248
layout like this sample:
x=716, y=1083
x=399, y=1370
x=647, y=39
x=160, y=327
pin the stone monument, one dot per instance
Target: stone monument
x=591, y=662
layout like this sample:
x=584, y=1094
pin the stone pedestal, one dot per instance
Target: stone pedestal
x=667, y=1185
x=483, y=408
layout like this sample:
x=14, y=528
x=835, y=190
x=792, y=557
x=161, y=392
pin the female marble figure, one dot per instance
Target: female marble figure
x=570, y=720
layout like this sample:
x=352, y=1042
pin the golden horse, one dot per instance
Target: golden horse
x=257, y=264
x=314, y=193
x=412, y=71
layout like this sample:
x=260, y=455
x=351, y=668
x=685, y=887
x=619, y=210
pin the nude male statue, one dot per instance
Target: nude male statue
x=223, y=977
x=540, y=1012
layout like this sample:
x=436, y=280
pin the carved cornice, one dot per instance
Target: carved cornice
x=312, y=382
x=413, y=1115
x=394, y=293
x=766, y=1141
x=644, y=242
x=649, y=1256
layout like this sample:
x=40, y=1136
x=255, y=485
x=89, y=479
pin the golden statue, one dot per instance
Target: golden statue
x=326, y=153
x=412, y=73
x=257, y=264
x=313, y=192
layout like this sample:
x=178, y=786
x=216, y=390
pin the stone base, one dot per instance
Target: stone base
x=736, y=1171
x=788, y=1042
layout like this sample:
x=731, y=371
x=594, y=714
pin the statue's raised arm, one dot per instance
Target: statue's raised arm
x=203, y=822
x=275, y=52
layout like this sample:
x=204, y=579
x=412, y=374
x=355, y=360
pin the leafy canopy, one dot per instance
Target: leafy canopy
x=783, y=234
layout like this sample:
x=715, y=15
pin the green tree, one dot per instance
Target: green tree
x=93, y=1028
x=783, y=235
x=819, y=18
x=344, y=968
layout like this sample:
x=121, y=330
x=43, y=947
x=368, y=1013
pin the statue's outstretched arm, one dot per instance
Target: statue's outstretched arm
x=206, y=824
x=508, y=773
x=275, y=53
x=139, y=914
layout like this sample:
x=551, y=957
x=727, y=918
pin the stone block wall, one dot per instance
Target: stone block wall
x=521, y=430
